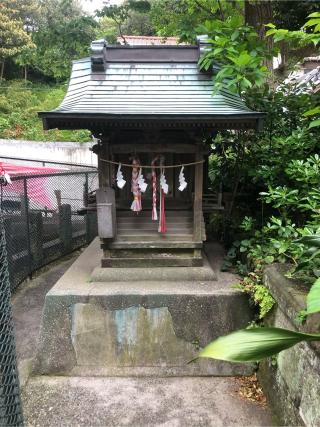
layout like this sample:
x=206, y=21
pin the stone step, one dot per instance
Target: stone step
x=172, y=261
x=156, y=273
x=153, y=237
x=152, y=244
x=147, y=214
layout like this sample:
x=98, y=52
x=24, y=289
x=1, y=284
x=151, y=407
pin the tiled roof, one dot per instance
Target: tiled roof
x=146, y=83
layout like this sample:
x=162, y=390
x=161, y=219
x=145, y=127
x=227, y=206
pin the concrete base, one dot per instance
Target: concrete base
x=122, y=327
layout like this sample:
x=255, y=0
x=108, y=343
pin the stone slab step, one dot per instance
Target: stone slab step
x=169, y=273
x=181, y=231
x=154, y=237
x=172, y=261
x=151, y=244
x=147, y=214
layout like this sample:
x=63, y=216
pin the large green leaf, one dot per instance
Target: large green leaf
x=313, y=298
x=314, y=123
x=251, y=345
x=312, y=240
x=312, y=112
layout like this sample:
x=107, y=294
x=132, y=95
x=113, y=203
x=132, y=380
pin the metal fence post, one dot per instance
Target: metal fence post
x=86, y=190
x=8, y=225
x=65, y=228
x=36, y=238
x=10, y=403
x=26, y=211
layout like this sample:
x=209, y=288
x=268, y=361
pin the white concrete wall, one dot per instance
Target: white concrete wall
x=64, y=152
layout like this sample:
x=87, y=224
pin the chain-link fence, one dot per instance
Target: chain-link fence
x=42, y=221
x=10, y=404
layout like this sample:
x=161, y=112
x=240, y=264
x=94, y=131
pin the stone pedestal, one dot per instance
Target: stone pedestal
x=95, y=324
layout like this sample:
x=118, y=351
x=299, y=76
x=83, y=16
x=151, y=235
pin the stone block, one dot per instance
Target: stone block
x=134, y=336
x=143, y=328
x=292, y=385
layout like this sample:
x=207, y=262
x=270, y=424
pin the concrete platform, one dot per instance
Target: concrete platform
x=139, y=402
x=138, y=328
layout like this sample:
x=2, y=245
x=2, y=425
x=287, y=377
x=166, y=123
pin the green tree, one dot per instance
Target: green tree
x=236, y=53
x=13, y=37
x=107, y=29
x=62, y=33
x=58, y=45
x=181, y=18
x=132, y=17
x=309, y=34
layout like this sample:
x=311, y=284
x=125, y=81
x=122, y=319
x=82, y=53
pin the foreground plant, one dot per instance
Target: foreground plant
x=253, y=345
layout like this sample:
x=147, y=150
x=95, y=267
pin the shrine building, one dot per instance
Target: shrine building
x=153, y=114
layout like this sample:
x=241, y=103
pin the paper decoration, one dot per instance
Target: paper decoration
x=182, y=180
x=120, y=181
x=5, y=177
x=163, y=183
x=141, y=182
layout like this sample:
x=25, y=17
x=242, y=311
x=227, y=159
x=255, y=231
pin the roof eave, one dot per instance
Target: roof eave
x=101, y=121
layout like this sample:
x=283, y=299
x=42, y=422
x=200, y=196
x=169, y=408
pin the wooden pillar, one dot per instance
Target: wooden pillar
x=197, y=204
x=103, y=167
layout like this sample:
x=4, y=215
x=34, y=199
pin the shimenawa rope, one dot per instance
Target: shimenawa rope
x=150, y=166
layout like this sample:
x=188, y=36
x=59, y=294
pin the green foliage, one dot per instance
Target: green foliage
x=131, y=17
x=183, y=18
x=254, y=344
x=19, y=106
x=13, y=36
x=301, y=38
x=259, y=294
x=292, y=14
x=61, y=42
x=298, y=38
x=237, y=53
x=313, y=298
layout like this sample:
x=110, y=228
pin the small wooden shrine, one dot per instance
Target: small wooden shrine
x=152, y=112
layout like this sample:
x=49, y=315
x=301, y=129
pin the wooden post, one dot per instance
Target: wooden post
x=65, y=228
x=106, y=213
x=103, y=167
x=197, y=204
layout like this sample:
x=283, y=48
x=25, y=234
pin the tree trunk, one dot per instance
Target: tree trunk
x=2, y=70
x=25, y=73
x=257, y=13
